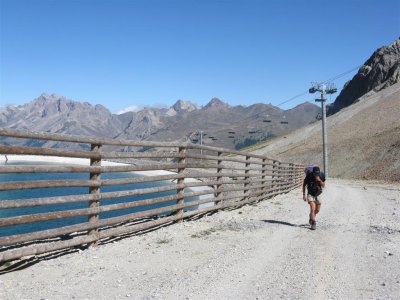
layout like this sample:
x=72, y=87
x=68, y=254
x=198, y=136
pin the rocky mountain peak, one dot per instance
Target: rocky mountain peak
x=44, y=97
x=380, y=71
x=182, y=105
x=216, y=103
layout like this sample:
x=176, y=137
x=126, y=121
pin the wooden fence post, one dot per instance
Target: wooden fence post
x=274, y=166
x=292, y=175
x=94, y=218
x=246, y=172
x=300, y=175
x=181, y=181
x=219, y=178
x=263, y=174
x=281, y=172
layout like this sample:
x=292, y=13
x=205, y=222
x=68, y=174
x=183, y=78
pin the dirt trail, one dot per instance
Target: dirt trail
x=261, y=251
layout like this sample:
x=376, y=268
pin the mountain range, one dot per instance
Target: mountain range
x=221, y=124
x=217, y=123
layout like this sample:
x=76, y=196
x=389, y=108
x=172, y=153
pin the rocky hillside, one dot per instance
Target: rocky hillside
x=57, y=114
x=363, y=139
x=223, y=125
x=381, y=70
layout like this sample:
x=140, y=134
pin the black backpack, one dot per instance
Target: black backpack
x=313, y=188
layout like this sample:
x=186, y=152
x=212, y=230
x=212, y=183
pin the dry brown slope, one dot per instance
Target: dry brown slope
x=363, y=139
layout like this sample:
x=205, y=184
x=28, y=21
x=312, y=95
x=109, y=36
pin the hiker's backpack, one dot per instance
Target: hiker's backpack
x=308, y=169
x=313, y=188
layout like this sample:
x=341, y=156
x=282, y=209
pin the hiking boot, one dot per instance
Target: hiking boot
x=314, y=225
x=310, y=222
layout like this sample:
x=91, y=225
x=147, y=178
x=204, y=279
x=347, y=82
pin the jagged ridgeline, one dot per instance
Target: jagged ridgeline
x=380, y=71
x=222, y=125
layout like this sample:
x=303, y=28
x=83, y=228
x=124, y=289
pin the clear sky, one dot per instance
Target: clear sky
x=121, y=53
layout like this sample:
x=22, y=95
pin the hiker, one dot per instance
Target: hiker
x=315, y=181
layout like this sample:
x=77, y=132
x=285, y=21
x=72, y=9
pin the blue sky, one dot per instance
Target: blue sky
x=121, y=53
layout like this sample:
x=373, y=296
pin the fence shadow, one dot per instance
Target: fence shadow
x=306, y=226
x=17, y=265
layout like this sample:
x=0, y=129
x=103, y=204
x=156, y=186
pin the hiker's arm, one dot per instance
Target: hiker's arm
x=304, y=190
x=320, y=182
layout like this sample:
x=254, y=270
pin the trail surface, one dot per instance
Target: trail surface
x=261, y=251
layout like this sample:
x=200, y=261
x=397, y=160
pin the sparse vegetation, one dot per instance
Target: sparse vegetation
x=259, y=144
x=203, y=233
x=210, y=231
x=163, y=241
x=5, y=265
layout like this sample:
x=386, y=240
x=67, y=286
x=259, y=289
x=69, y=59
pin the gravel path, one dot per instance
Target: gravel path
x=261, y=251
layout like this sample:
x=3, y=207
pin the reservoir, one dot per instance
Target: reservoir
x=67, y=191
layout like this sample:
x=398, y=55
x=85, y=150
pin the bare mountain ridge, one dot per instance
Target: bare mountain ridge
x=57, y=114
x=380, y=71
x=51, y=113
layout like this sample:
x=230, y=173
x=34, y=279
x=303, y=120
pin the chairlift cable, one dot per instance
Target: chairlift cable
x=341, y=75
x=325, y=81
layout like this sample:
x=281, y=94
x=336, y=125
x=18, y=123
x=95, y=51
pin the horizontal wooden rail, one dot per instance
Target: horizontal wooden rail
x=105, y=169
x=225, y=151
x=33, y=202
x=86, y=154
x=225, y=158
x=120, y=169
x=38, y=184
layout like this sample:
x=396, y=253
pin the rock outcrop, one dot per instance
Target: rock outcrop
x=380, y=71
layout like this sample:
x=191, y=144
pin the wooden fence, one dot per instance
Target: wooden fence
x=189, y=180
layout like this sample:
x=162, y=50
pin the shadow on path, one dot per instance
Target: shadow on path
x=23, y=263
x=286, y=223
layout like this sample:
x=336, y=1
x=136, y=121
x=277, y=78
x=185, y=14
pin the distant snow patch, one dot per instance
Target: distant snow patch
x=134, y=108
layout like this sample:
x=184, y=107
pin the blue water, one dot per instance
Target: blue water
x=51, y=192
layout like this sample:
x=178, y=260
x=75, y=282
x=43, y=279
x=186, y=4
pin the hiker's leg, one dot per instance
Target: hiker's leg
x=317, y=208
x=312, y=210
x=318, y=204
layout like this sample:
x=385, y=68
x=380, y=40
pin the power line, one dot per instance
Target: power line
x=291, y=99
x=325, y=81
x=341, y=75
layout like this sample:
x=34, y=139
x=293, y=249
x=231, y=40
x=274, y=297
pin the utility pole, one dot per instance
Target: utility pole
x=323, y=89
